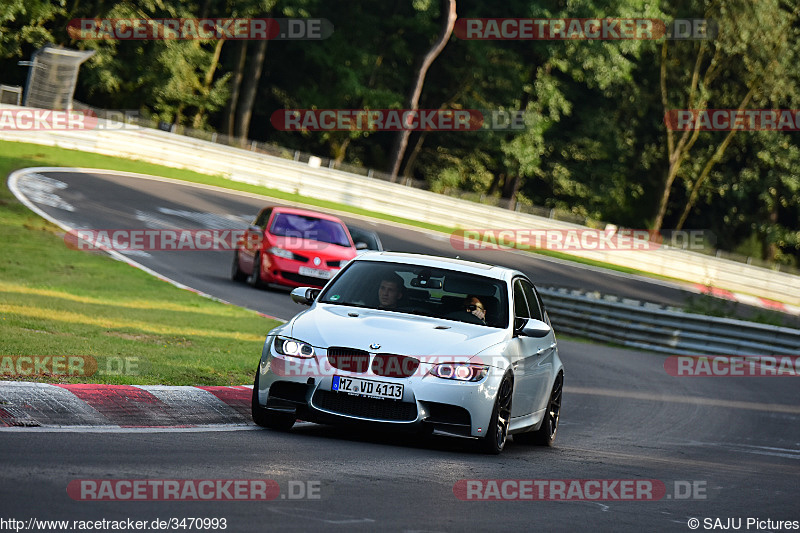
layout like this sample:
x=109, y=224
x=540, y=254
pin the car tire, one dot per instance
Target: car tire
x=497, y=433
x=254, y=279
x=546, y=434
x=236, y=272
x=265, y=418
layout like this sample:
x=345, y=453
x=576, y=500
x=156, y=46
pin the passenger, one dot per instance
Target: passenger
x=474, y=306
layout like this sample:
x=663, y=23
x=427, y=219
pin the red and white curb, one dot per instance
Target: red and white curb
x=747, y=299
x=43, y=405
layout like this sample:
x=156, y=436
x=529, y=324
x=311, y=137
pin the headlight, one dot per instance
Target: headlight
x=460, y=371
x=292, y=347
x=280, y=252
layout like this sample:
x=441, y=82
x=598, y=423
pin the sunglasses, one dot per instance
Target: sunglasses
x=472, y=307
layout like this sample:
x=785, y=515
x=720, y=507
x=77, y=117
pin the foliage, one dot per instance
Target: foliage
x=595, y=142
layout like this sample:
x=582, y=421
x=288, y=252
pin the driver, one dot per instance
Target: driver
x=390, y=291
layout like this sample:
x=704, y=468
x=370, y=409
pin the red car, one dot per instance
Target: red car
x=292, y=247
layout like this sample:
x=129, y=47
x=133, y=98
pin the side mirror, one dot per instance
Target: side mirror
x=305, y=295
x=535, y=328
x=361, y=246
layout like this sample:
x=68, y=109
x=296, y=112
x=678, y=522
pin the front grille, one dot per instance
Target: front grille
x=394, y=366
x=345, y=404
x=348, y=359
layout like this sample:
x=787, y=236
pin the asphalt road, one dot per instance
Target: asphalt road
x=624, y=418
x=736, y=440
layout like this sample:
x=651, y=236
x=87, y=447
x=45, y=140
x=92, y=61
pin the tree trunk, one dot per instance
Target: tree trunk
x=449, y=13
x=412, y=158
x=677, y=153
x=340, y=150
x=713, y=161
x=703, y=175
x=770, y=248
x=495, y=184
x=245, y=111
x=510, y=189
x=207, y=82
x=673, y=157
x=229, y=118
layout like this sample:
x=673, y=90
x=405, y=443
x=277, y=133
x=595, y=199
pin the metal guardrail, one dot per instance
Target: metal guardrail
x=663, y=329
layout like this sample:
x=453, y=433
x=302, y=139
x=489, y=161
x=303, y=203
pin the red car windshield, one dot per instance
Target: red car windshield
x=311, y=228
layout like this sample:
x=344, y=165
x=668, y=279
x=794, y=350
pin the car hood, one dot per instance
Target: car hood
x=330, y=325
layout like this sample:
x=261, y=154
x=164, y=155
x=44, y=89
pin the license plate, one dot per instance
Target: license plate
x=364, y=387
x=316, y=272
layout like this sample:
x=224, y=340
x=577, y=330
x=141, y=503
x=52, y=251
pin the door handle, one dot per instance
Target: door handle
x=543, y=350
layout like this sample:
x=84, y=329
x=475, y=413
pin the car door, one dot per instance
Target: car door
x=531, y=357
x=546, y=348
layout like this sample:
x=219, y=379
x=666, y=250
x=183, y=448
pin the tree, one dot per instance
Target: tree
x=729, y=72
x=449, y=21
x=27, y=22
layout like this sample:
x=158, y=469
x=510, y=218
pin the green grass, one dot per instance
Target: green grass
x=59, y=301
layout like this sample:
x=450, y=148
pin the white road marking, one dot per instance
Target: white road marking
x=117, y=429
x=42, y=190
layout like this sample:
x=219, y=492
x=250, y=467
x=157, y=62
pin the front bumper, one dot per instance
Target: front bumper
x=304, y=387
x=287, y=272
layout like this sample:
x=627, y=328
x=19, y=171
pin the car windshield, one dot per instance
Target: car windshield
x=421, y=290
x=308, y=227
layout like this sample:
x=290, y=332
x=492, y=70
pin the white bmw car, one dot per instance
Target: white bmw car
x=417, y=342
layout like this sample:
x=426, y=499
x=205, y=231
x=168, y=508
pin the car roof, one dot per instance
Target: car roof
x=433, y=261
x=305, y=213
